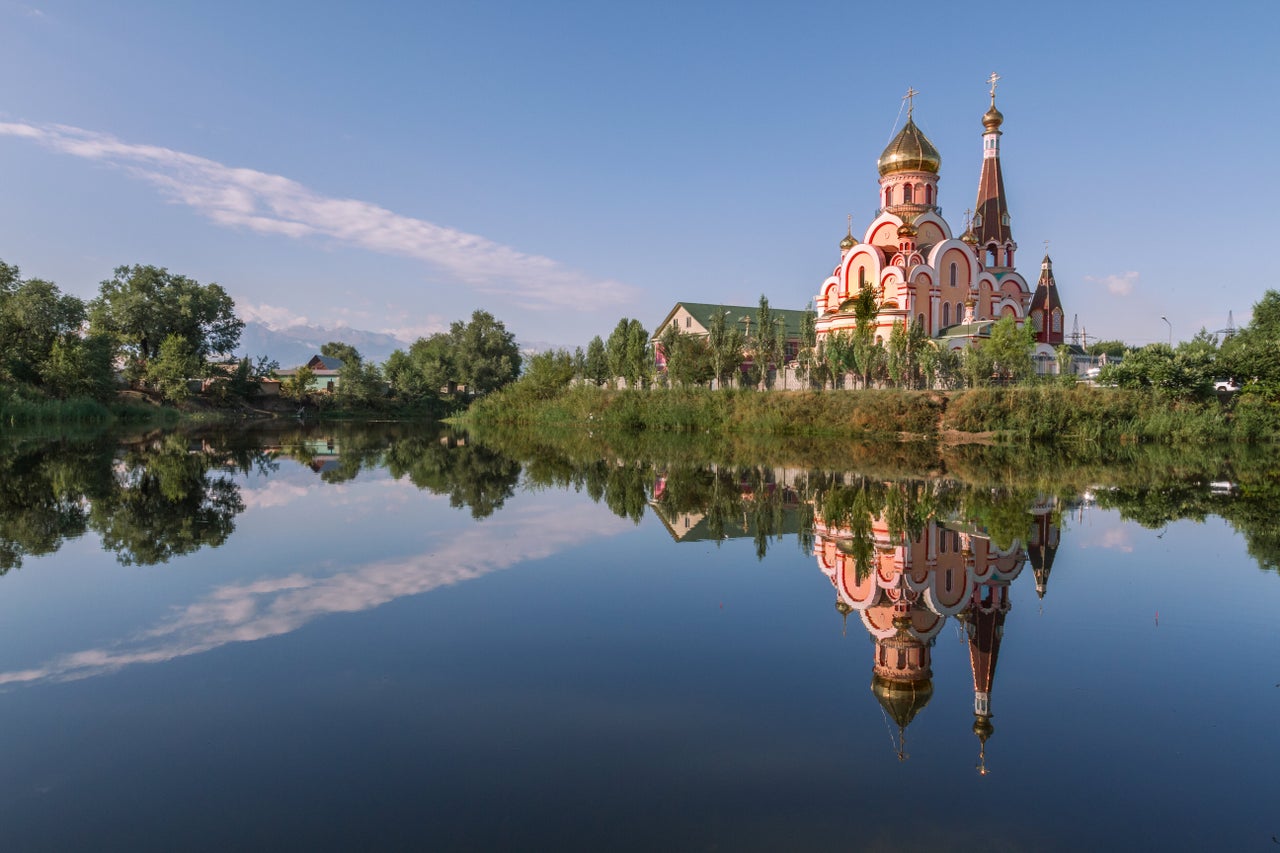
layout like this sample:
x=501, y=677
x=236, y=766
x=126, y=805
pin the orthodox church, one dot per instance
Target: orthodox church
x=954, y=287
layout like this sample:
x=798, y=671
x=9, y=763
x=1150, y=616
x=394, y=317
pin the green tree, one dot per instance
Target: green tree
x=597, y=366
x=764, y=345
x=141, y=306
x=725, y=344
x=172, y=367
x=34, y=317
x=864, y=358
x=298, y=386
x=1252, y=355
x=806, y=356
x=639, y=356
x=1009, y=349
x=486, y=354
x=343, y=352
x=548, y=374
x=616, y=351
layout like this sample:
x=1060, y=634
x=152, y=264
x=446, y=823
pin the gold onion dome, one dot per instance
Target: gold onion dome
x=906, y=229
x=993, y=118
x=969, y=237
x=847, y=242
x=910, y=151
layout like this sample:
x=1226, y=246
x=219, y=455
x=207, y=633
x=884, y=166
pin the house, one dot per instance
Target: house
x=695, y=318
x=324, y=369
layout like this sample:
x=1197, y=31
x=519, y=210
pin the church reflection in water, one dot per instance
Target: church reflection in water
x=904, y=588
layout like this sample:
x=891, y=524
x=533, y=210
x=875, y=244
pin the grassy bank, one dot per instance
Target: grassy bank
x=26, y=410
x=1031, y=413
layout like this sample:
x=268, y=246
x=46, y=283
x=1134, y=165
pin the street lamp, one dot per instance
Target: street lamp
x=1170, y=325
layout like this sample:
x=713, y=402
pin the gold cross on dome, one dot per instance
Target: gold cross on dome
x=910, y=99
x=1046, y=247
x=993, y=80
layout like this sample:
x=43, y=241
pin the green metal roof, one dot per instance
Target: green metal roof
x=703, y=312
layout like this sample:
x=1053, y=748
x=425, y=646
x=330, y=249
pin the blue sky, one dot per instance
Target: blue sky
x=396, y=166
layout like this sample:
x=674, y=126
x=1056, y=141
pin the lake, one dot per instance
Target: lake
x=392, y=638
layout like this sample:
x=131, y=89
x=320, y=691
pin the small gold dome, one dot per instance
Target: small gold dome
x=906, y=229
x=847, y=242
x=910, y=151
x=969, y=237
x=993, y=118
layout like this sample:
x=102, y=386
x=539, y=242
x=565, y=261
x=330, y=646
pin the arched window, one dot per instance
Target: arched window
x=946, y=314
x=888, y=196
x=1037, y=321
x=928, y=193
x=953, y=275
x=992, y=256
x=1057, y=320
x=1008, y=256
x=862, y=277
x=920, y=320
x=906, y=193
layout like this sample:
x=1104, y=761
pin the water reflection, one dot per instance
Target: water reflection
x=905, y=557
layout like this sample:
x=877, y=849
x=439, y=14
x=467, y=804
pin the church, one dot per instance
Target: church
x=954, y=287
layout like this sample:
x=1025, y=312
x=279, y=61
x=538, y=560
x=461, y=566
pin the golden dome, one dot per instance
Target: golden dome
x=847, y=242
x=969, y=237
x=902, y=701
x=993, y=118
x=910, y=151
x=906, y=229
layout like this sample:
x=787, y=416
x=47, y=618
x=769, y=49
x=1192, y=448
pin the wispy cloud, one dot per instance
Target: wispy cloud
x=271, y=316
x=270, y=607
x=276, y=205
x=1119, y=284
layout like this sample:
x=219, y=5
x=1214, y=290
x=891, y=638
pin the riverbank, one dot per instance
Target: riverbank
x=1016, y=414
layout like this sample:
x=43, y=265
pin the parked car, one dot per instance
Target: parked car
x=1228, y=385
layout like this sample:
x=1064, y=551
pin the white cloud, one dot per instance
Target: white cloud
x=271, y=316
x=1119, y=284
x=270, y=607
x=273, y=204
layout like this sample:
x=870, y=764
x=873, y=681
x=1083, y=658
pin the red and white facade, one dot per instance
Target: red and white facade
x=920, y=270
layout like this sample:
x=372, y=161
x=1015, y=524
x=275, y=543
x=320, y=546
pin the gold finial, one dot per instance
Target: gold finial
x=851, y=223
x=910, y=99
x=1046, y=247
x=992, y=81
x=968, y=219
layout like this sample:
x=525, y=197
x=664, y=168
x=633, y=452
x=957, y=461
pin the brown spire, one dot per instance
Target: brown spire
x=1048, y=326
x=991, y=217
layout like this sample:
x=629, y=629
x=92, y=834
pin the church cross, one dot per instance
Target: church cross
x=850, y=223
x=910, y=99
x=993, y=80
x=967, y=221
x=1046, y=247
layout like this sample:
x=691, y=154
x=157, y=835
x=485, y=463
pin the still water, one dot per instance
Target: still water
x=390, y=639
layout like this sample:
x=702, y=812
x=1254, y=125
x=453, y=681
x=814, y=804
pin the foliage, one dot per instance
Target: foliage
x=596, y=369
x=298, y=386
x=141, y=306
x=547, y=374
x=1009, y=350
x=724, y=344
x=174, y=364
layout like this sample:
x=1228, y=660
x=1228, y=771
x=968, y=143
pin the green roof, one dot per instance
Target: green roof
x=980, y=329
x=703, y=312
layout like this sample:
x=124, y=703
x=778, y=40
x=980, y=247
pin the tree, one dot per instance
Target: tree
x=766, y=353
x=1252, y=355
x=486, y=354
x=171, y=368
x=616, y=351
x=343, y=352
x=142, y=306
x=597, y=366
x=639, y=356
x=862, y=350
x=806, y=356
x=1009, y=349
x=548, y=374
x=298, y=386
x=725, y=345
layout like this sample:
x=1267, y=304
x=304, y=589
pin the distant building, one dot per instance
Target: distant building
x=324, y=370
x=695, y=318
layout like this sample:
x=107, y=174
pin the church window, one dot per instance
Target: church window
x=992, y=256
x=888, y=196
x=906, y=193
x=953, y=275
x=920, y=320
x=928, y=194
x=862, y=277
x=959, y=312
x=1004, y=219
x=1057, y=320
x=1037, y=321
x=946, y=314
x=1008, y=255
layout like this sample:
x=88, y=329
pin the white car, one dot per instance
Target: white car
x=1228, y=385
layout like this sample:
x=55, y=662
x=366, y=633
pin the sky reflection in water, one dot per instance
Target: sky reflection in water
x=576, y=679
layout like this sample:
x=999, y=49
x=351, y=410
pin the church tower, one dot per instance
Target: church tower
x=991, y=222
x=1046, y=307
